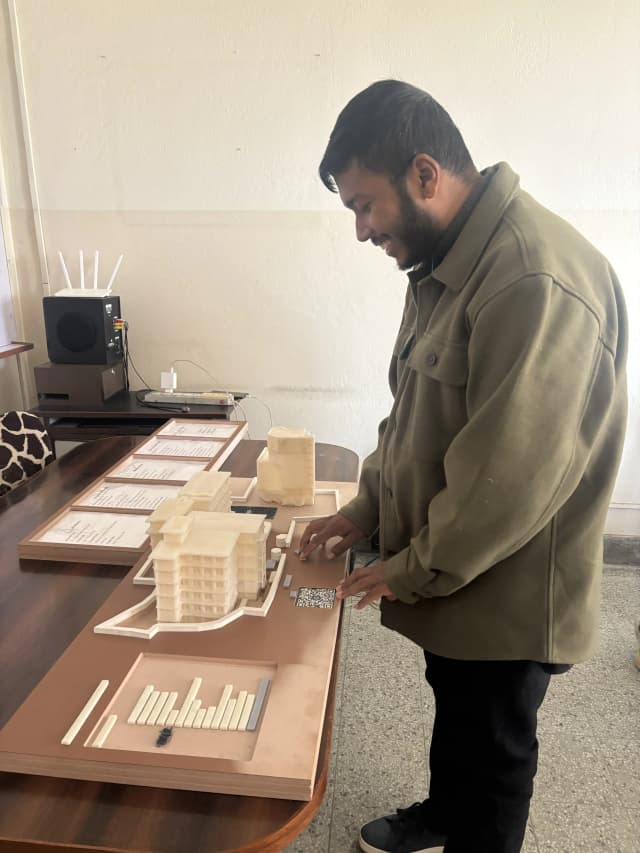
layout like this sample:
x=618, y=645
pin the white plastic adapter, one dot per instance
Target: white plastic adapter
x=168, y=380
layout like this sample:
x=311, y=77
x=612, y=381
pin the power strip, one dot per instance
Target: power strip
x=202, y=398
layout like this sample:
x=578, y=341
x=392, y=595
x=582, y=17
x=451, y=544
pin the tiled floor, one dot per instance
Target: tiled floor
x=587, y=795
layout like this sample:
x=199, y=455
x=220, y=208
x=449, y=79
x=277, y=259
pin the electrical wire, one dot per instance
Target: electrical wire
x=203, y=369
x=246, y=420
x=253, y=397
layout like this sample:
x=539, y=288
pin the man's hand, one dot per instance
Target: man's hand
x=318, y=533
x=368, y=579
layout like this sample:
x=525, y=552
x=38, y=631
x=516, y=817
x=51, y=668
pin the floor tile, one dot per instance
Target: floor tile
x=571, y=771
x=588, y=787
x=624, y=764
x=560, y=828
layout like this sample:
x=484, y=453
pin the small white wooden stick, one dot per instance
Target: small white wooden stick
x=96, y=258
x=81, y=254
x=83, y=716
x=142, y=701
x=105, y=731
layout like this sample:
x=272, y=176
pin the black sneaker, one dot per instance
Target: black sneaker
x=402, y=832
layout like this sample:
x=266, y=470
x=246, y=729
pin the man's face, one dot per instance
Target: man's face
x=387, y=214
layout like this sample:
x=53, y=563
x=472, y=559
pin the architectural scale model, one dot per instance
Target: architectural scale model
x=206, y=491
x=286, y=467
x=205, y=561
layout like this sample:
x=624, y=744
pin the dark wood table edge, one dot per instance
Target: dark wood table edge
x=271, y=843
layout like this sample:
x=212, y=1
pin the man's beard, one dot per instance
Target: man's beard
x=417, y=231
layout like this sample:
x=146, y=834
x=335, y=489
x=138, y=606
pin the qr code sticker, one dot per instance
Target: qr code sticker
x=311, y=597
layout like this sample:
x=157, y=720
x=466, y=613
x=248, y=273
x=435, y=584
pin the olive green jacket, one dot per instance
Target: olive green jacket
x=493, y=472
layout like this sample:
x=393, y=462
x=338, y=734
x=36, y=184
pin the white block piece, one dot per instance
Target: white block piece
x=105, y=731
x=276, y=553
x=244, y=497
x=210, y=491
x=143, y=716
x=193, y=710
x=208, y=717
x=155, y=711
x=173, y=716
x=199, y=719
x=286, y=467
x=237, y=711
x=186, y=705
x=83, y=716
x=222, y=706
x=172, y=698
x=168, y=380
x=228, y=713
x=246, y=712
x=142, y=701
x=281, y=540
x=290, y=533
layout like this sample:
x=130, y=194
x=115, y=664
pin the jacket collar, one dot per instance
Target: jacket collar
x=456, y=267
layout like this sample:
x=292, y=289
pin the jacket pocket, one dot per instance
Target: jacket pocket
x=440, y=360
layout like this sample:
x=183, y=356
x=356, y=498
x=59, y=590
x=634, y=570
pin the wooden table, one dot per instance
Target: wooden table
x=43, y=606
x=15, y=348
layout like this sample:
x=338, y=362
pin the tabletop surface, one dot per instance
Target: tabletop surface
x=124, y=403
x=43, y=606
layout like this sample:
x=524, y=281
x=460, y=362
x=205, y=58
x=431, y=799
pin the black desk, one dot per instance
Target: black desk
x=120, y=415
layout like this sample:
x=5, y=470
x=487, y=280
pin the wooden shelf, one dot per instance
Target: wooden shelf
x=14, y=348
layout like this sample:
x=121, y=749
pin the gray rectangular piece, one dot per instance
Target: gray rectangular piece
x=257, y=705
x=287, y=581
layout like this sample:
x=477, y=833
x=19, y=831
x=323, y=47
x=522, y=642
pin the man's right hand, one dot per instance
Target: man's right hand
x=319, y=532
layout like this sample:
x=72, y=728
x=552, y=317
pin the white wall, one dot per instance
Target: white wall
x=188, y=136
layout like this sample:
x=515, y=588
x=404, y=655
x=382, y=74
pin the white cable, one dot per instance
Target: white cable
x=204, y=370
x=246, y=420
x=253, y=397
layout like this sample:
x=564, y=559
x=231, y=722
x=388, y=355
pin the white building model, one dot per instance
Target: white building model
x=205, y=557
x=287, y=467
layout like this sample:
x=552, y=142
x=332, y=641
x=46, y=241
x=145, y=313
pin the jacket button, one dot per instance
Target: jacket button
x=432, y=359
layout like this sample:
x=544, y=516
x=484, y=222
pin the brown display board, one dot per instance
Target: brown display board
x=283, y=656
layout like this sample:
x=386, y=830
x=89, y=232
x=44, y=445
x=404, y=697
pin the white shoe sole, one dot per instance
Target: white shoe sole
x=368, y=848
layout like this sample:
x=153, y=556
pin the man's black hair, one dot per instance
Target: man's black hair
x=385, y=126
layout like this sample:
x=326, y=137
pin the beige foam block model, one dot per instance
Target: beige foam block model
x=286, y=467
x=205, y=561
x=251, y=548
x=168, y=509
x=209, y=491
x=196, y=579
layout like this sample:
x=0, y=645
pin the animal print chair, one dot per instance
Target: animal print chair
x=25, y=448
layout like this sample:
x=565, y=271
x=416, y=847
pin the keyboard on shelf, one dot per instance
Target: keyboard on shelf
x=196, y=398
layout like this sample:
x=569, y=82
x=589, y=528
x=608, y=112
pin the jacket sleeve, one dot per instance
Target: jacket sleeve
x=364, y=509
x=540, y=385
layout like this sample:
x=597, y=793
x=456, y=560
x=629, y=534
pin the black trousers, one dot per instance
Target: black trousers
x=484, y=751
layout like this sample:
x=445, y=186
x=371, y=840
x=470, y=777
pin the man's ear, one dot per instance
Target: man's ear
x=424, y=175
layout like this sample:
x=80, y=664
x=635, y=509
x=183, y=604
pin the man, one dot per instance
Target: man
x=493, y=471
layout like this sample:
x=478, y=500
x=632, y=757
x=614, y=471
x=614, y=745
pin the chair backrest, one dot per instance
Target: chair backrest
x=25, y=448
